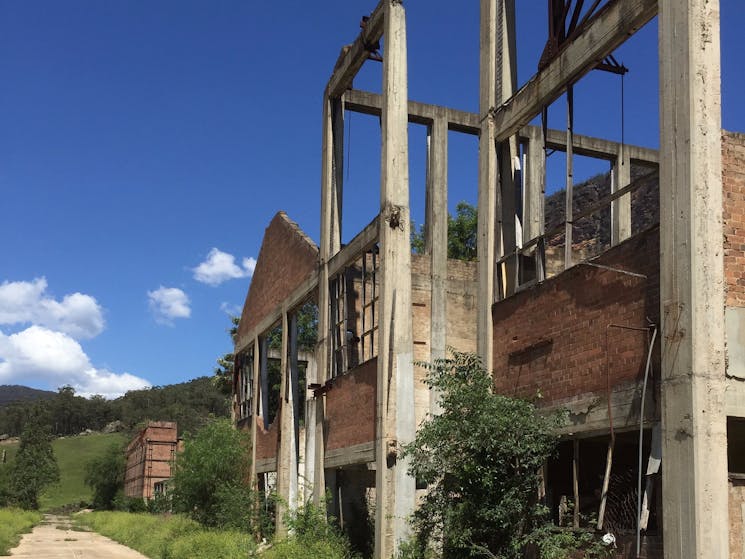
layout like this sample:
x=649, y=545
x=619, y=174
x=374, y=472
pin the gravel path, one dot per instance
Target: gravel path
x=54, y=538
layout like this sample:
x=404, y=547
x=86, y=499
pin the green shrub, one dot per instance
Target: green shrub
x=104, y=474
x=213, y=544
x=13, y=523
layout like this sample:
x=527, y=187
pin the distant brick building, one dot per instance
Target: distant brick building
x=149, y=458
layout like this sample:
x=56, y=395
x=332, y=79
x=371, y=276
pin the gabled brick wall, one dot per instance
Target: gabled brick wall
x=286, y=259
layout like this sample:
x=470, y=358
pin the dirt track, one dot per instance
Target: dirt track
x=54, y=538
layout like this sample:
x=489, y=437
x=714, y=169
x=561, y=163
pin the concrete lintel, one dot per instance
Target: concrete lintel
x=604, y=33
x=357, y=454
x=364, y=239
x=265, y=465
x=354, y=56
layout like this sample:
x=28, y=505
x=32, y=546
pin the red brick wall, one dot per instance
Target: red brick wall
x=733, y=179
x=286, y=259
x=267, y=441
x=350, y=407
x=149, y=457
x=736, y=509
x=552, y=338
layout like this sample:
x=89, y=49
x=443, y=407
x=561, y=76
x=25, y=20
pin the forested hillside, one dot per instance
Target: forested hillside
x=190, y=404
x=15, y=393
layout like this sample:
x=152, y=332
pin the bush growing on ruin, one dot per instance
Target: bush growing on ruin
x=104, y=474
x=211, y=478
x=481, y=459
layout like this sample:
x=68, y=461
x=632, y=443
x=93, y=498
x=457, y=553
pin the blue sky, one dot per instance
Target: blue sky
x=145, y=145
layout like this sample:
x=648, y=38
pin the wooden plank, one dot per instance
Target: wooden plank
x=607, y=31
x=355, y=55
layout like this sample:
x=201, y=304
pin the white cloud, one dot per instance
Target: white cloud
x=220, y=267
x=42, y=355
x=76, y=314
x=169, y=303
x=231, y=310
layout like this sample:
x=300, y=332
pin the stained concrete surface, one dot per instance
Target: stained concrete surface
x=54, y=538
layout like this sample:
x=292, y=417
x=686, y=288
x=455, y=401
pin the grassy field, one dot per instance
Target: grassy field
x=72, y=454
x=172, y=537
x=13, y=523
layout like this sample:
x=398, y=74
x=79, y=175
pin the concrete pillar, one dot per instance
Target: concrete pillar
x=497, y=83
x=256, y=371
x=285, y=461
x=620, y=209
x=331, y=210
x=311, y=404
x=534, y=184
x=437, y=241
x=395, y=419
x=292, y=397
x=694, y=444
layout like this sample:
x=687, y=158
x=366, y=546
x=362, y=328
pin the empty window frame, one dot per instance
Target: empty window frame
x=245, y=384
x=354, y=312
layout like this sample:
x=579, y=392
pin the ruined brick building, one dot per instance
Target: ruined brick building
x=625, y=307
x=150, y=456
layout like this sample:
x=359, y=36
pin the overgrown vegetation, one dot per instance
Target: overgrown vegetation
x=211, y=478
x=13, y=523
x=169, y=537
x=481, y=459
x=32, y=470
x=104, y=474
x=462, y=233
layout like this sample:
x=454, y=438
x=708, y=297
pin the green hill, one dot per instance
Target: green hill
x=10, y=393
x=72, y=454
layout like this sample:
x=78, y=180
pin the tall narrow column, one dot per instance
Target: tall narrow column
x=437, y=241
x=286, y=435
x=395, y=420
x=620, y=209
x=496, y=221
x=256, y=372
x=311, y=376
x=534, y=179
x=694, y=451
x=331, y=196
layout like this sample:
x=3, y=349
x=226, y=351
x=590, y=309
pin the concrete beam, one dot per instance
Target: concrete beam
x=620, y=209
x=608, y=29
x=364, y=240
x=694, y=428
x=395, y=419
x=355, y=55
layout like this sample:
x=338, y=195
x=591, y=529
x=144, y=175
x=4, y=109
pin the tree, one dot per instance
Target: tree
x=480, y=459
x=105, y=476
x=211, y=477
x=462, y=233
x=223, y=374
x=34, y=467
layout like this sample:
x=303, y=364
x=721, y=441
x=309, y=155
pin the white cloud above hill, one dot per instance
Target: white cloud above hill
x=39, y=354
x=40, y=344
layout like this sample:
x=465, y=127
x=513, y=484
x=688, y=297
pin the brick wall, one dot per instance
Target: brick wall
x=350, y=407
x=286, y=259
x=552, y=338
x=149, y=456
x=267, y=440
x=733, y=179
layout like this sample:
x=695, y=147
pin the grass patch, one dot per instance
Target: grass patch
x=168, y=537
x=13, y=523
x=72, y=453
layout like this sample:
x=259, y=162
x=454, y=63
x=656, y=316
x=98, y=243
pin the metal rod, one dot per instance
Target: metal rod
x=641, y=442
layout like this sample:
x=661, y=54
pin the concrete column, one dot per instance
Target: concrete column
x=534, y=179
x=331, y=196
x=497, y=84
x=395, y=420
x=285, y=459
x=694, y=437
x=437, y=241
x=293, y=405
x=311, y=377
x=620, y=209
x=256, y=371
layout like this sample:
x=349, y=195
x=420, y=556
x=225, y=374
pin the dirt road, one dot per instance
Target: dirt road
x=54, y=538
